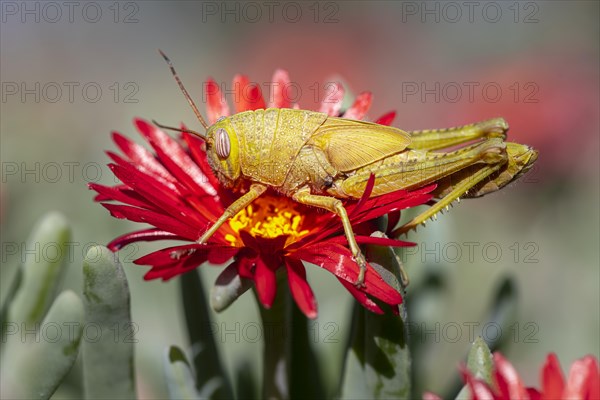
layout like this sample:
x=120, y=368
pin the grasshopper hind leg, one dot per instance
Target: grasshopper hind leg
x=334, y=205
x=459, y=189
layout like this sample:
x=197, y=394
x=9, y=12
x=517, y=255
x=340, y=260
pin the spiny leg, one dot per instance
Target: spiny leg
x=435, y=139
x=431, y=168
x=459, y=189
x=255, y=191
x=334, y=205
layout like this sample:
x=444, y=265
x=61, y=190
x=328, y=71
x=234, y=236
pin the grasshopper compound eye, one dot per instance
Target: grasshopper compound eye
x=222, y=144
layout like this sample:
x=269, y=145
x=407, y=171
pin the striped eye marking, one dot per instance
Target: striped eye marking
x=222, y=144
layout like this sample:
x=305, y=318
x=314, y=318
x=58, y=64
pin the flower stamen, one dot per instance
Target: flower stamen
x=268, y=217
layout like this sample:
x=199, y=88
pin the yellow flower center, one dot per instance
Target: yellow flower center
x=268, y=217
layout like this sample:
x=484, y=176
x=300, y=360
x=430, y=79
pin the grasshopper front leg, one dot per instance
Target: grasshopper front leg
x=255, y=191
x=334, y=205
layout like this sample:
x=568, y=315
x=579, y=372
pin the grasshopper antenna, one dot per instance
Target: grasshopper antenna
x=187, y=96
x=179, y=130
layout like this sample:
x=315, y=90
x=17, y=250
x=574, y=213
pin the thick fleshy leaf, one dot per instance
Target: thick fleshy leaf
x=480, y=365
x=280, y=95
x=300, y=289
x=34, y=369
x=216, y=105
x=228, y=287
x=332, y=102
x=360, y=107
x=210, y=372
x=41, y=273
x=178, y=373
x=380, y=342
x=107, y=363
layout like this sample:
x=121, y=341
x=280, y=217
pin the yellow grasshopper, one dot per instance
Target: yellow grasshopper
x=317, y=160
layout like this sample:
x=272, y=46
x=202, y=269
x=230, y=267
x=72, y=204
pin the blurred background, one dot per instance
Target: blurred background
x=72, y=73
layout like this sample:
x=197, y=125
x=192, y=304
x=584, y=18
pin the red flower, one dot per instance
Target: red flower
x=175, y=191
x=582, y=383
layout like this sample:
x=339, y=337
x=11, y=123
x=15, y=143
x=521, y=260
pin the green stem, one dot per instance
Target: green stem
x=275, y=329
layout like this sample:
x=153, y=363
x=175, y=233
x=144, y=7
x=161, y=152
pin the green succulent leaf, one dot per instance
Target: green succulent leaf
x=179, y=375
x=109, y=336
x=33, y=369
x=378, y=363
x=481, y=365
x=210, y=373
x=41, y=270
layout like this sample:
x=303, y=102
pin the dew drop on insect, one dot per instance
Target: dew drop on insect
x=222, y=144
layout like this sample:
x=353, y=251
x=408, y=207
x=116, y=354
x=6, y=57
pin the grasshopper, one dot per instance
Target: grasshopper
x=318, y=160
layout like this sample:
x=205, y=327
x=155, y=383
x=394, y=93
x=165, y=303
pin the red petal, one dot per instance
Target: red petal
x=141, y=157
x=198, y=153
x=247, y=95
x=386, y=119
x=167, y=263
x=216, y=105
x=360, y=107
x=123, y=194
x=431, y=396
x=479, y=389
x=584, y=380
x=534, y=394
x=332, y=102
x=177, y=161
x=147, y=235
x=365, y=196
x=338, y=260
x=172, y=255
x=161, y=199
x=171, y=182
x=362, y=297
x=300, y=289
x=161, y=221
x=553, y=381
x=508, y=381
x=220, y=255
x=383, y=241
x=393, y=219
x=266, y=283
x=281, y=90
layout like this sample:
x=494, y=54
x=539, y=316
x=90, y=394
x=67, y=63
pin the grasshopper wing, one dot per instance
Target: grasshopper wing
x=350, y=144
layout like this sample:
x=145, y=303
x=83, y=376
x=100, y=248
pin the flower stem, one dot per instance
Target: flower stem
x=275, y=374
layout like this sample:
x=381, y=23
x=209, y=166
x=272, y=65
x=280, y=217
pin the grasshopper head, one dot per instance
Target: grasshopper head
x=222, y=151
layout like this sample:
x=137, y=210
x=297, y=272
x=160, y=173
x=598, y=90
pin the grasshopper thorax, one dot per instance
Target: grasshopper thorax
x=222, y=152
